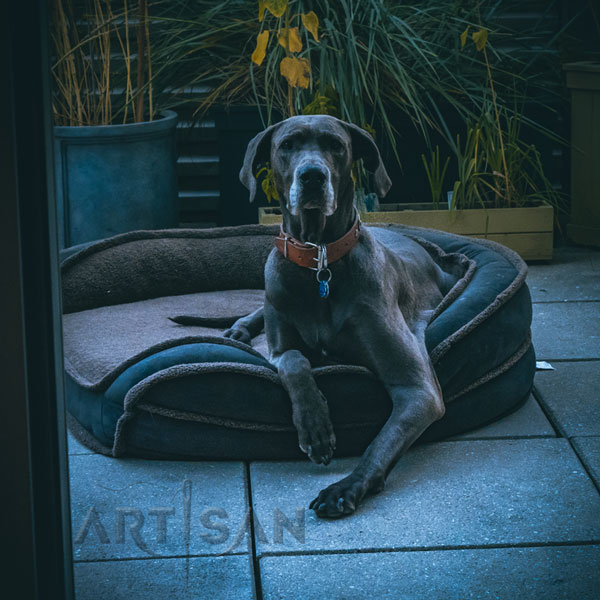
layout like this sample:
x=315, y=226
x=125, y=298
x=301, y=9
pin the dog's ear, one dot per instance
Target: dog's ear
x=257, y=152
x=363, y=146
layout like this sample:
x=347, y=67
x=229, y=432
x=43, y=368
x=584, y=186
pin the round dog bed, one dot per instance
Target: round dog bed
x=138, y=384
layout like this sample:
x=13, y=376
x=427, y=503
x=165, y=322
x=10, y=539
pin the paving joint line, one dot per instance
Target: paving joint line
x=254, y=555
x=157, y=557
x=587, y=301
x=584, y=466
x=570, y=360
x=501, y=438
x=547, y=413
x=408, y=549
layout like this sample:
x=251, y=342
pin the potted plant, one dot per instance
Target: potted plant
x=364, y=63
x=499, y=192
x=395, y=69
x=114, y=152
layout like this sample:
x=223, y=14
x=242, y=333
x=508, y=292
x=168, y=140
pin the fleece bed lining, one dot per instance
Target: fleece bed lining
x=101, y=343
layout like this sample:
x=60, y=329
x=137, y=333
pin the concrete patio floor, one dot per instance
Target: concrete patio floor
x=511, y=510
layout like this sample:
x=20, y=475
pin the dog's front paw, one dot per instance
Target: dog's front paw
x=340, y=499
x=241, y=334
x=315, y=432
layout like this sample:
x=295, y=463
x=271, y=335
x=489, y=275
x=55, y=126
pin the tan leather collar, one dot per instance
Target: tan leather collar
x=308, y=255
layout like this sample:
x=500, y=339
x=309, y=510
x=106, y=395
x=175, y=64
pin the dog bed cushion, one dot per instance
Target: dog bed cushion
x=140, y=385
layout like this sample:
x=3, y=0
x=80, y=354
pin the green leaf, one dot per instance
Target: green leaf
x=321, y=105
x=268, y=183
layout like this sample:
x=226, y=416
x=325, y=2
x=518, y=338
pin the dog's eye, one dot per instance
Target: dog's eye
x=286, y=145
x=336, y=145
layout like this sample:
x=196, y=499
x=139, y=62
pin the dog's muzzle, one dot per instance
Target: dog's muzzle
x=311, y=189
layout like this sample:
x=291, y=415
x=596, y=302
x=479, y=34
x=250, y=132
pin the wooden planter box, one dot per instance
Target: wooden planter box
x=583, y=79
x=529, y=231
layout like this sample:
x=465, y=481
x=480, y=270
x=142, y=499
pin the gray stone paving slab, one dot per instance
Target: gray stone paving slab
x=124, y=508
x=444, y=494
x=527, y=421
x=569, y=330
x=507, y=573
x=588, y=449
x=571, y=396
x=214, y=578
x=573, y=274
x=75, y=447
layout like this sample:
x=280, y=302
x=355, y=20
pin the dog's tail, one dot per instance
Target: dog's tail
x=216, y=322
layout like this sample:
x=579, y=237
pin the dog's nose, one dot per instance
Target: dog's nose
x=312, y=177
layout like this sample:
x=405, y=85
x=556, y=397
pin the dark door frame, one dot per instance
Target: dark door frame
x=35, y=516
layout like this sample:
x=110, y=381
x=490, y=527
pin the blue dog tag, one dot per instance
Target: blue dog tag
x=324, y=277
x=323, y=289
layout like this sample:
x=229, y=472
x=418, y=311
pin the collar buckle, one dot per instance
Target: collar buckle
x=321, y=258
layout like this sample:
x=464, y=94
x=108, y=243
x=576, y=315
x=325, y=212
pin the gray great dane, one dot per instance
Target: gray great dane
x=335, y=293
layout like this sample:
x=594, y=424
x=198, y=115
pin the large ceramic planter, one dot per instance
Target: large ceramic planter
x=583, y=79
x=115, y=178
x=527, y=230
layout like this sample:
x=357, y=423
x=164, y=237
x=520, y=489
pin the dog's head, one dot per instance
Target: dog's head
x=311, y=158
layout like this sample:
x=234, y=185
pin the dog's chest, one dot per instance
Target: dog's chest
x=317, y=329
x=319, y=321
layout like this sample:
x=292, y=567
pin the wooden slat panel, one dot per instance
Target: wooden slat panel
x=197, y=166
x=198, y=201
x=190, y=131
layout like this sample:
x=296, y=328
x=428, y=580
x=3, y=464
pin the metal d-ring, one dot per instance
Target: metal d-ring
x=327, y=274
